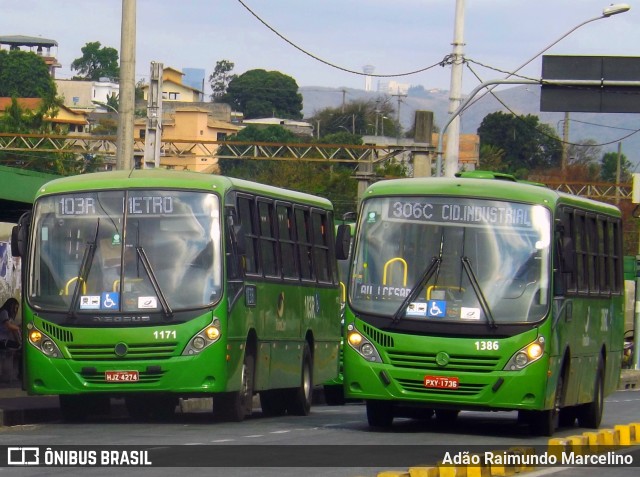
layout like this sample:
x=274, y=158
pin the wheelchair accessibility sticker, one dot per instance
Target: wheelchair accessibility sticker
x=436, y=308
x=110, y=301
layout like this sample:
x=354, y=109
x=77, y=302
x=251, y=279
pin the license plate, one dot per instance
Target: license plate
x=121, y=376
x=441, y=382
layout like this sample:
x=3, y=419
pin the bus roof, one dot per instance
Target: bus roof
x=163, y=178
x=485, y=187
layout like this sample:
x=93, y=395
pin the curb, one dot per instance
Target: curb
x=587, y=444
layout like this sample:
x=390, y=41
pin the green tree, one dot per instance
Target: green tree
x=24, y=75
x=609, y=168
x=528, y=145
x=261, y=94
x=220, y=79
x=97, y=62
x=491, y=158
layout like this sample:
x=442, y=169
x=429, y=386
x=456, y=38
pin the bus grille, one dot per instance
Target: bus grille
x=378, y=336
x=457, y=363
x=143, y=378
x=463, y=389
x=56, y=332
x=107, y=352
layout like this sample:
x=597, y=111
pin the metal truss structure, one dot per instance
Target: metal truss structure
x=366, y=155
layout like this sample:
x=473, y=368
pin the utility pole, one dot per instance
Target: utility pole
x=124, y=157
x=400, y=96
x=565, y=142
x=455, y=91
x=153, y=133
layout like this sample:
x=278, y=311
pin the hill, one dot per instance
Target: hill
x=606, y=129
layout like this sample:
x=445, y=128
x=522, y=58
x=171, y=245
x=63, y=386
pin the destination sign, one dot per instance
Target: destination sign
x=478, y=212
x=136, y=205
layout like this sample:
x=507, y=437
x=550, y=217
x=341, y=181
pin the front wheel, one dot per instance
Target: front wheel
x=380, y=413
x=235, y=406
x=545, y=423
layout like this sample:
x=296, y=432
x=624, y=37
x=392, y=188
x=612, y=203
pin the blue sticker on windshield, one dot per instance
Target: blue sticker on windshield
x=437, y=308
x=110, y=301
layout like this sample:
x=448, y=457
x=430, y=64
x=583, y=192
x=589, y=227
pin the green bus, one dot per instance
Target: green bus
x=156, y=285
x=481, y=292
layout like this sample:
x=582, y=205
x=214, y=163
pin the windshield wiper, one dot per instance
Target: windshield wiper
x=415, y=291
x=154, y=282
x=83, y=271
x=466, y=264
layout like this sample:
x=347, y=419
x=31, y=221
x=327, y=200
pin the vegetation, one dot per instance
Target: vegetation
x=263, y=94
x=527, y=144
x=220, y=79
x=23, y=121
x=24, y=75
x=97, y=62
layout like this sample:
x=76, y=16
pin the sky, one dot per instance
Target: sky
x=326, y=43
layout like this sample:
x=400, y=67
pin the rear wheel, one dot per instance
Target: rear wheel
x=590, y=414
x=235, y=406
x=299, y=399
x=380, y=413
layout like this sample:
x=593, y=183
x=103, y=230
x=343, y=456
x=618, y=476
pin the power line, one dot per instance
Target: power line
x=421, y=70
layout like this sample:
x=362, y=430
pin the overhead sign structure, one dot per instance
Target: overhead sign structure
x=596, y=94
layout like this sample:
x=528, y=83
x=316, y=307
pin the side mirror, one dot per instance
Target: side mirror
x=343, y=242
x=20, y=236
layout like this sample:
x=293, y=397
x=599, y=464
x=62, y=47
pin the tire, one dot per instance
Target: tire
x=273, y=403
x=334, y=395
x=545, y=423
x=380, y=413
x=299, y=399
x=236, y=405
x=590, y=414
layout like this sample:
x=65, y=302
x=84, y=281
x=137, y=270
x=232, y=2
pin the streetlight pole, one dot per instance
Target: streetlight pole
x=455, y=91
x=451, y=165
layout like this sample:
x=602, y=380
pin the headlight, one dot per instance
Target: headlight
x=203, y=338
x=42, y=342
x=527, y=355
x=362, y=345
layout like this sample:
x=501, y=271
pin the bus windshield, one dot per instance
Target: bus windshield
x=456, y=260
x=125, y=251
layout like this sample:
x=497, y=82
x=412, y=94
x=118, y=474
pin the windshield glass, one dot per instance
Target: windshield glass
x=480, y=260
x=159, y=253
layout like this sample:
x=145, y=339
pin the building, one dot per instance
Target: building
x=39, y=46
x=300, y=128
x=189, y=123
x=71, y=121
x=173, y=88
x=86, y=95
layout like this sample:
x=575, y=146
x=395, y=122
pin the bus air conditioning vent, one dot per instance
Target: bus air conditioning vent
x=56, y=332
x=378, y=336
